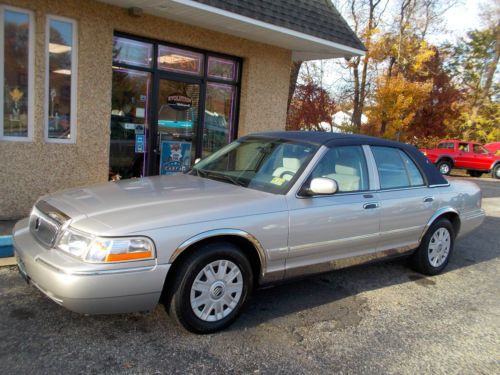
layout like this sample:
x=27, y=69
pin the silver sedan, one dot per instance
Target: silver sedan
x=266, y=208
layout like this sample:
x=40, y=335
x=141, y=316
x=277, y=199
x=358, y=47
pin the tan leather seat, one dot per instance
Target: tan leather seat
x=346, y=178
x=291, y=165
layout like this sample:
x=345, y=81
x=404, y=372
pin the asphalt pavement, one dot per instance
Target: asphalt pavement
x=377, y=319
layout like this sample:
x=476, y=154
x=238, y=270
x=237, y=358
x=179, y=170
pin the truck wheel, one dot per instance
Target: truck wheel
x=495, y=173
x=444, y=167
x=434, y=251
x=475, y=173
x=210, y=288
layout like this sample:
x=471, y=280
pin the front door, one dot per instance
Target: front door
x=177, y=125
x=326, y=229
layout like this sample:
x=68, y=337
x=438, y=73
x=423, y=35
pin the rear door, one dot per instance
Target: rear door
x=463, y=156
x=327, y=228
x=406, y=203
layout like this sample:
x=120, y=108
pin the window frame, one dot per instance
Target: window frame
x=31, y=74
x=316, y=160
x=410, y=186
x=74, y=80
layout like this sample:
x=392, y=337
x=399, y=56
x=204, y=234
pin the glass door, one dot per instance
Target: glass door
x=129, y=123
x=177, y=125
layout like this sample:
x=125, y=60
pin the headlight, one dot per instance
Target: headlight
x=105, y=250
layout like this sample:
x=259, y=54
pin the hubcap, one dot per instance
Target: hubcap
x=439, y=247
x=216, y=290
x=497, y=172
x=444, y=168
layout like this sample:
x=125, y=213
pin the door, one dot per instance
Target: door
x=482, y=158
x=177, y=125
x=326, y=229
x=129, y=127
x=464, y=157
x=406, y=203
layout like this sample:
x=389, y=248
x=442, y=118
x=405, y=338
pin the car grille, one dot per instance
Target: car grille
x=46, y=222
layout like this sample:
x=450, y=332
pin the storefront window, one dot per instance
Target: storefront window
x=16, y=74
x=222, y=68
x=61, y=80
x=219, y=114
x=180, y=61
x=129, y=123
x=168, y=107
x=132, y=52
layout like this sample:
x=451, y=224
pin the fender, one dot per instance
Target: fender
x=438, y=213
x=494, y=164
x=441, y=157
x=224, y=232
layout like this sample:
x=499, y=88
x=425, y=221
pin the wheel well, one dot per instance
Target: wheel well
x=454, y=220
x=245, y=245
x=445, y=158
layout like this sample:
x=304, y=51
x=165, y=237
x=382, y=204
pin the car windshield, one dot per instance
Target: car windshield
x=266, y=164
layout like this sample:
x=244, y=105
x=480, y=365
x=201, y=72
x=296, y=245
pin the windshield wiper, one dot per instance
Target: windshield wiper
x=218, y=176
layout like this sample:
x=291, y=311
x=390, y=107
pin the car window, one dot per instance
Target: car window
x=346, y=165
x=463, y=147
x=396, y=169
x=448, y=145
x=478, y=149
x=266, y=164
x=416, y=178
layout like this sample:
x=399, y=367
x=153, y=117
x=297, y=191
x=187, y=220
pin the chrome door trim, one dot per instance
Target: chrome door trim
x=372, y=169
x=223, y=232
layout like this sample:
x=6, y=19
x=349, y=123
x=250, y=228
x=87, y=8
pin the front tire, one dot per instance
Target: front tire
x=444, y=167
x=434, y=252
x=495, y=173
x=210, y=288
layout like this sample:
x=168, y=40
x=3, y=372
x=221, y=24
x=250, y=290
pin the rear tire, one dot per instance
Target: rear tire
x=444, y=167
x=475, y=173
x=209, y=288
x=495, y=173
x=434, y=252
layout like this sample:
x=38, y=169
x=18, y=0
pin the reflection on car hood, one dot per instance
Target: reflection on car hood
x=133, y=205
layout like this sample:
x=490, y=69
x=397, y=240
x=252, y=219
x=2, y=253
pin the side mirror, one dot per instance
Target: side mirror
x=197, y=160
x=323, y=186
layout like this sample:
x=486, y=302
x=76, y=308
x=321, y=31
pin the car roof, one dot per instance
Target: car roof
x=338, y=139
x=324, y=138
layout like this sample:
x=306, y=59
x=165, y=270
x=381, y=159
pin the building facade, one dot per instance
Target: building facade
x=114, y=89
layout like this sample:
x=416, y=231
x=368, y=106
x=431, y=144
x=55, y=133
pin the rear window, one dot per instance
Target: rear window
x=396, y=169
x=448, y=145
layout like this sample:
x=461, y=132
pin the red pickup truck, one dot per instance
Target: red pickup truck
x=471, y=156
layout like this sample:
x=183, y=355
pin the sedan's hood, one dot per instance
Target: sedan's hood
x=134, y=205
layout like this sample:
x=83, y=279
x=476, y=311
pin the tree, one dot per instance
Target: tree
x=474, y=64
x=310, y=106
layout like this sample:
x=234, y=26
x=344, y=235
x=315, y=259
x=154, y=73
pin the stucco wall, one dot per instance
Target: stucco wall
x=31, y=169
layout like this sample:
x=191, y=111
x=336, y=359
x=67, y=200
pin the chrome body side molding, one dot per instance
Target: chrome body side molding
x=346, y=262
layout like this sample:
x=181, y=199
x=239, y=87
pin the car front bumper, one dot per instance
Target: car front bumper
x=88, y=288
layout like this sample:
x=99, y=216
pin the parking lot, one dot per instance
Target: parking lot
x=382, y=318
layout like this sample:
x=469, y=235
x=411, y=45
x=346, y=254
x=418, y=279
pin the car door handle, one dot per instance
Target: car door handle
x=428, y=199
x=371, y=205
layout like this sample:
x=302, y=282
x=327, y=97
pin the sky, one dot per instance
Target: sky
x=460, y=19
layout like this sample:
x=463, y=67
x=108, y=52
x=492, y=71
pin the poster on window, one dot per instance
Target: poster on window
x=175, y=157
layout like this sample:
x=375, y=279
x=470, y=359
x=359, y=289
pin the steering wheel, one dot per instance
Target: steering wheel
x=290, y=173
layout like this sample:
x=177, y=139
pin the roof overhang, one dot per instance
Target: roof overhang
x=303, y=46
